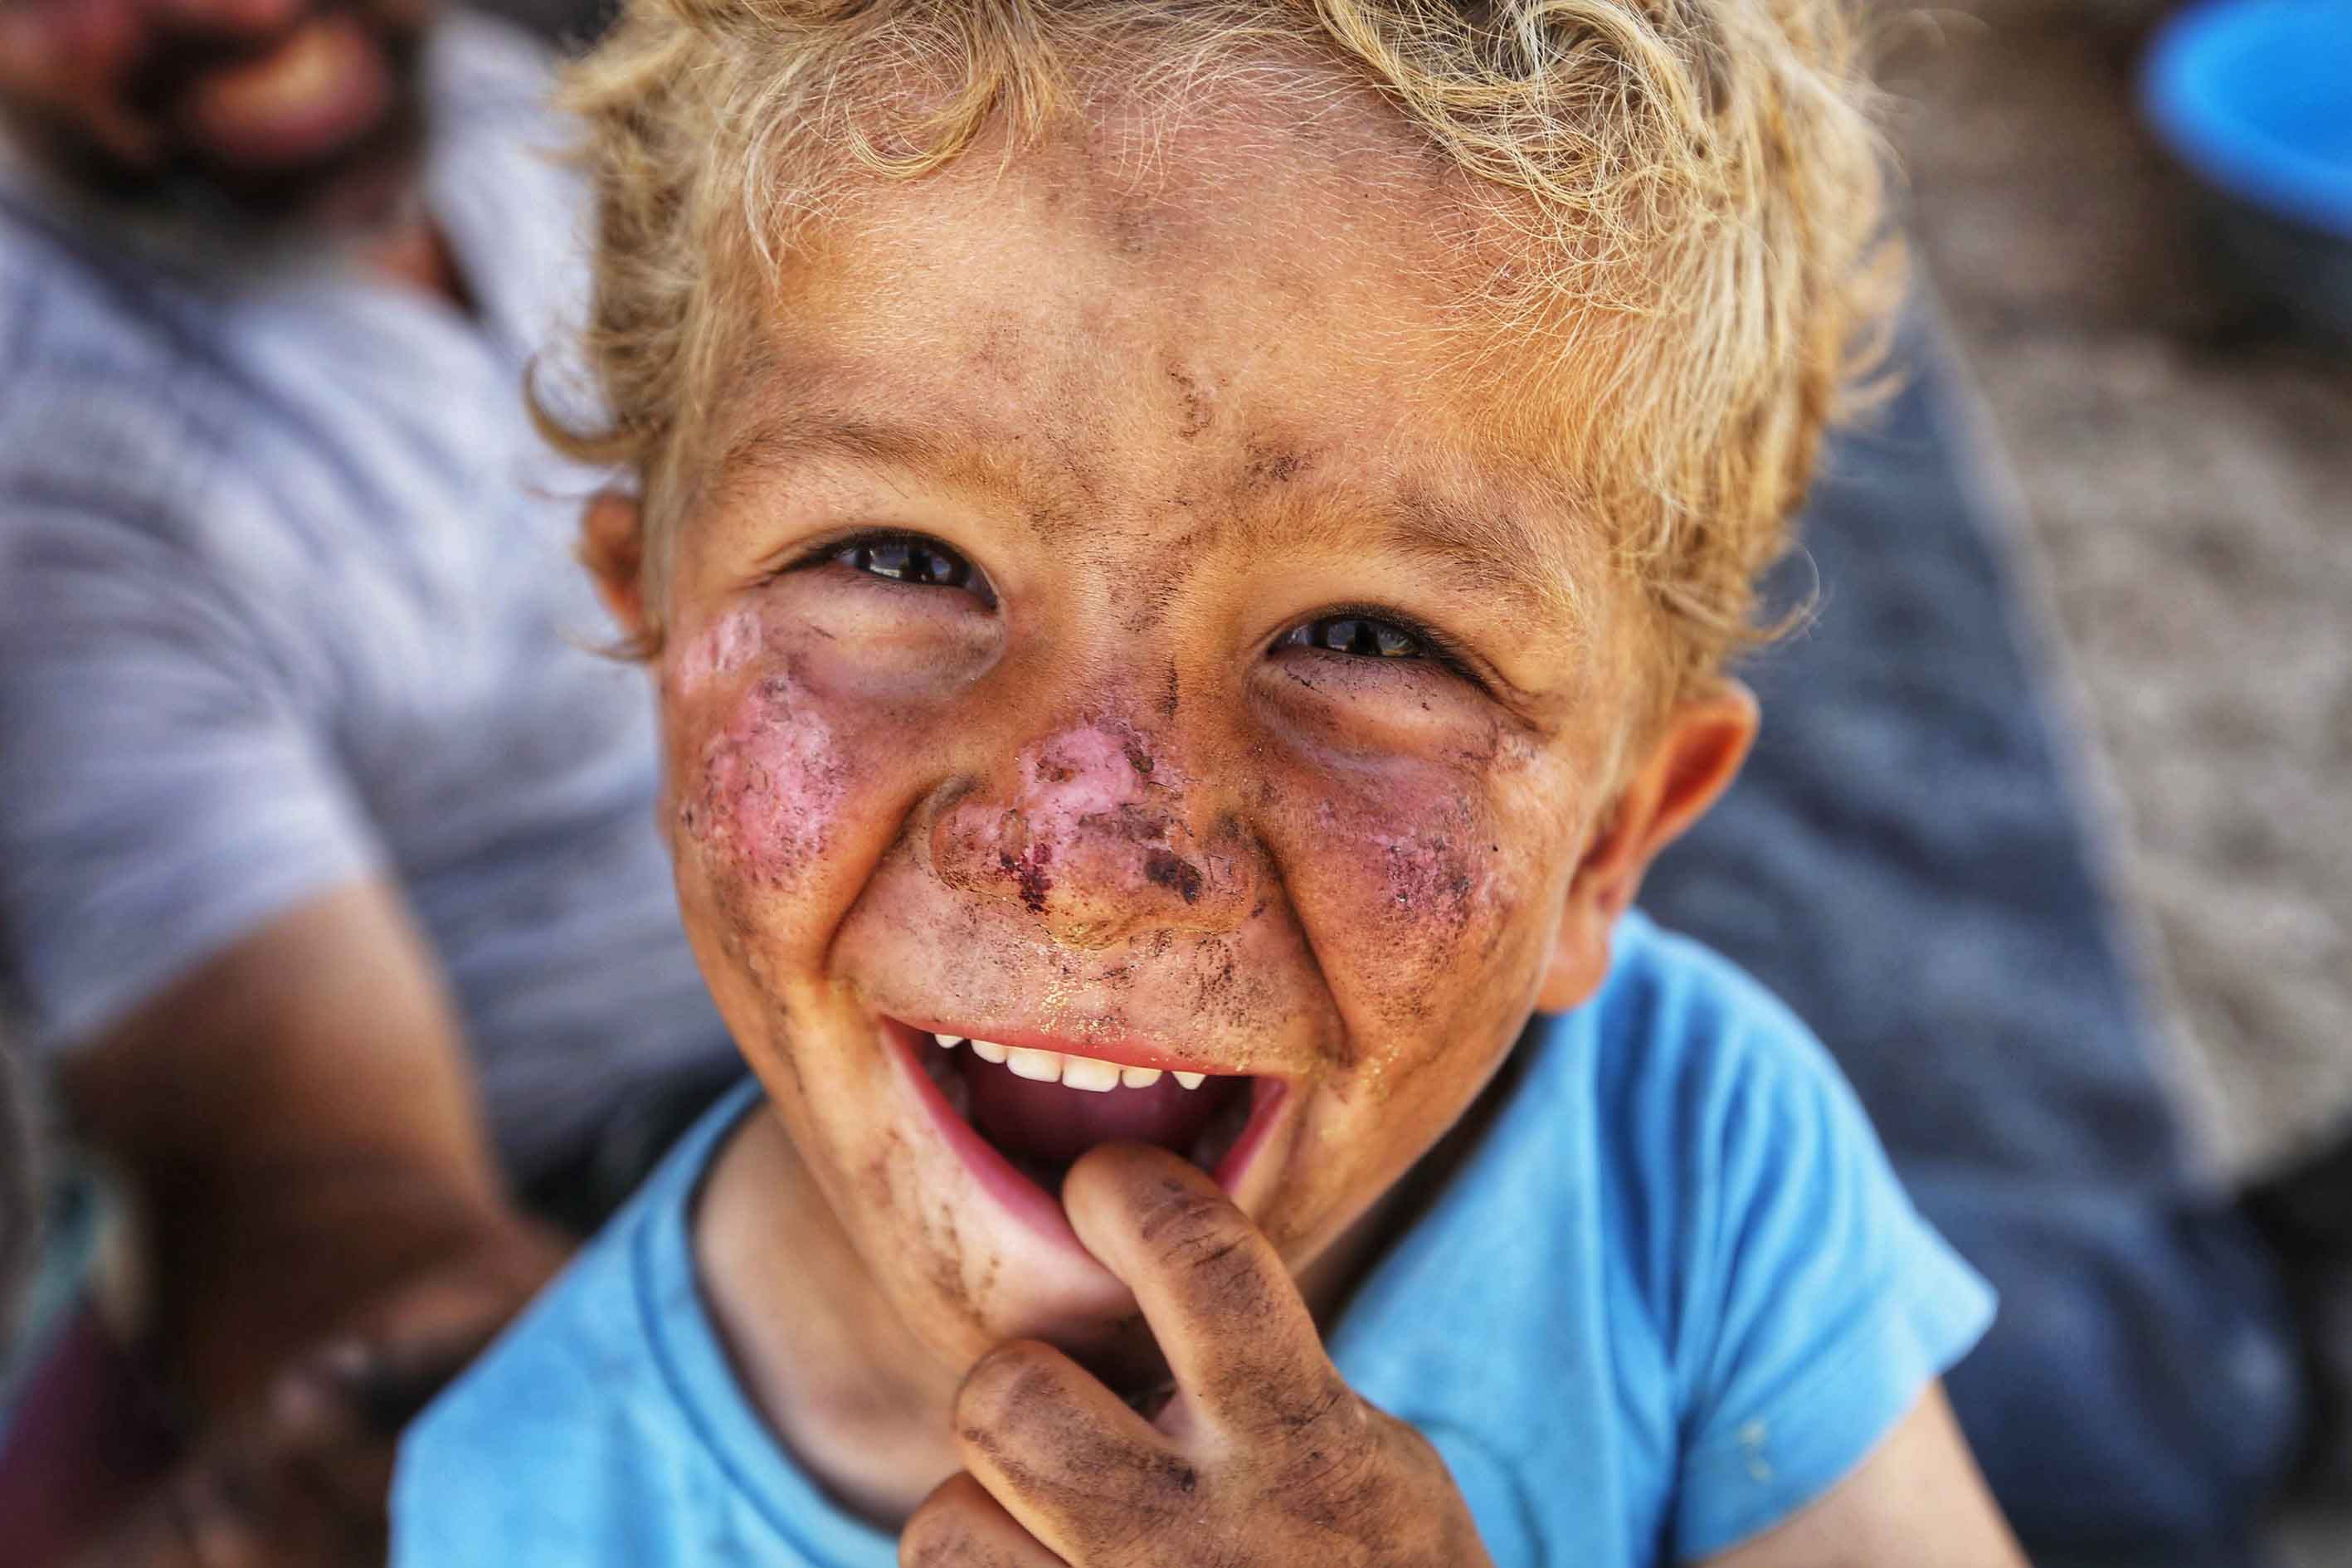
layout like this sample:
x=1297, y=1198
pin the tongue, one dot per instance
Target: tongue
x=1046, y=1122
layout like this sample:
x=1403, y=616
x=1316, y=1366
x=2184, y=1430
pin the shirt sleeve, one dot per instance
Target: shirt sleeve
x=165, y=783
x=1821, y=1306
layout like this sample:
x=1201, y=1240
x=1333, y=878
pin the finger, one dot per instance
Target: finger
x=313, y=1464
x=1064, y=1456
x=237, y=1506
x=342, y=1488
x=440, y=1319
x=186, y=1522
x=370, y=1387
x=1228, y=1317
x=961, y=1526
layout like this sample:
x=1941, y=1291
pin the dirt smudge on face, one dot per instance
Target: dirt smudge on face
x=1175, y=873
x=1424, y=891
x=772, y=782
x=1196, y=403
x=1028, y=872
x=1267, y=463
x=1131, y=230
x=958, y=1268
x=1094, y=835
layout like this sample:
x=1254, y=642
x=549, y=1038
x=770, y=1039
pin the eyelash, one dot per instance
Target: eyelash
x=1434, y=649
x=1371, y=620
x=1365, y=636
x=921, y=547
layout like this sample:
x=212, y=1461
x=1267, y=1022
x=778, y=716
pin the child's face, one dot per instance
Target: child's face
x=1112, y=634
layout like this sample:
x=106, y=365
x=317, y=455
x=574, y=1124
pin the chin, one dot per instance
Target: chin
x=1081, y=1310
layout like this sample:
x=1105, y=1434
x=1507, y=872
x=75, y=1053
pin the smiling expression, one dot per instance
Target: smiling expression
x=1111, y=632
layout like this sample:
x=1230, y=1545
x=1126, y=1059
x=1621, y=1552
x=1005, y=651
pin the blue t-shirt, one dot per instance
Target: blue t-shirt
x=1674, y=1294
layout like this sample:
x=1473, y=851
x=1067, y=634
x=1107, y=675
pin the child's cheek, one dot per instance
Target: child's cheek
x=1434, y=891
x=755, y=776
x=768, y=754
x=1426, y=903
x=761, y=794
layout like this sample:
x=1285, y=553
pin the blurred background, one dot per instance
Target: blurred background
x=2180, y=448
x=2173, y=405
x=2059, y=781
x=2174, y=427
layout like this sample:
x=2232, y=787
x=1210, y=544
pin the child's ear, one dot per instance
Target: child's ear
x=1696, y=755
x=613, y=548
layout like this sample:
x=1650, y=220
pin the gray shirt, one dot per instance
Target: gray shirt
x=287, y=600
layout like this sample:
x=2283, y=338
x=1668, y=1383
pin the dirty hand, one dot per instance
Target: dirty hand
x=303, y=1480
x=1265, y=1456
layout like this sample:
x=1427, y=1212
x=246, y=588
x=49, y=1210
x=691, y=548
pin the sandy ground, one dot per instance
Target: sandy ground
x=2317, y=1540
x=2186, y=464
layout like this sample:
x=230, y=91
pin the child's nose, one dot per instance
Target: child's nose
x=1092, y=832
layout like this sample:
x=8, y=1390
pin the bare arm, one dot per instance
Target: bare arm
x=1917, y=1502
x=297, y=1119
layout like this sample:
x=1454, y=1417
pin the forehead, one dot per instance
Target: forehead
x=1153, y=311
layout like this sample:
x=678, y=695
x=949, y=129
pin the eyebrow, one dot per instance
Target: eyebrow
x=806, y=432
x=1498, y=550
x=1495, y=549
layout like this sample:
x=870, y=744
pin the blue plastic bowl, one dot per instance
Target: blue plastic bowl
x=2255, y=97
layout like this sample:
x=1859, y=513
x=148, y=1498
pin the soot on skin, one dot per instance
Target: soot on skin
x=1196, y=402
x=1175, y=873
x=1394, y=878
x=1328, y=883
x=1094, y=836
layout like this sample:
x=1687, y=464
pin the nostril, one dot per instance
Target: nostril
x=1172, y=872
x=1093, y=836
x=1097, y=879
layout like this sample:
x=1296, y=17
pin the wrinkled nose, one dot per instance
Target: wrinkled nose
x=1092, y=836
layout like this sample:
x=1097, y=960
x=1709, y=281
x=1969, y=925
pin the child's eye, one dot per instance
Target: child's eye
x=906, y=558
x=1366, y=636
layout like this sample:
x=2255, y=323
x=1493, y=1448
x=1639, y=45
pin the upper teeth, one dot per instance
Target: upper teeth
x=1068, y=1070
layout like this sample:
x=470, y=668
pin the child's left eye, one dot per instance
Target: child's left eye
x=906, y=558
x=1367, y=637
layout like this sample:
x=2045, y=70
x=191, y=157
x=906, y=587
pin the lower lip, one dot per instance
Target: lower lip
x=323, y=88
x=1026, y=1199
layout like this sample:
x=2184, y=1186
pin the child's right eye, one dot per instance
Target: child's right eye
x=906, y=558
x=1367, y=637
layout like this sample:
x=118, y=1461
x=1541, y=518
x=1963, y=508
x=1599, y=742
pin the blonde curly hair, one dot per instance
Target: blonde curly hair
x=1690, y=193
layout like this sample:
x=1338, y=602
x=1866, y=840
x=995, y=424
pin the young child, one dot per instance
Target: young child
x=1187, y=548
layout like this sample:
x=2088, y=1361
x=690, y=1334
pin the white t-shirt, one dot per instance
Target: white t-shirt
x=287, y=600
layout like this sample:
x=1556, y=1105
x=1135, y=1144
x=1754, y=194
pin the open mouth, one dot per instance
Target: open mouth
x=1027, y=1113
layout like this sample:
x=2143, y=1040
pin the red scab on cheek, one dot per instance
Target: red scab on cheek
x=1434, y=879
x=1435, y=900
x=772, y=782
x=727, y=646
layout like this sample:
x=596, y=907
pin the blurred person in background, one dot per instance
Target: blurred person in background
x=20, y=1187
x=328, y=891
